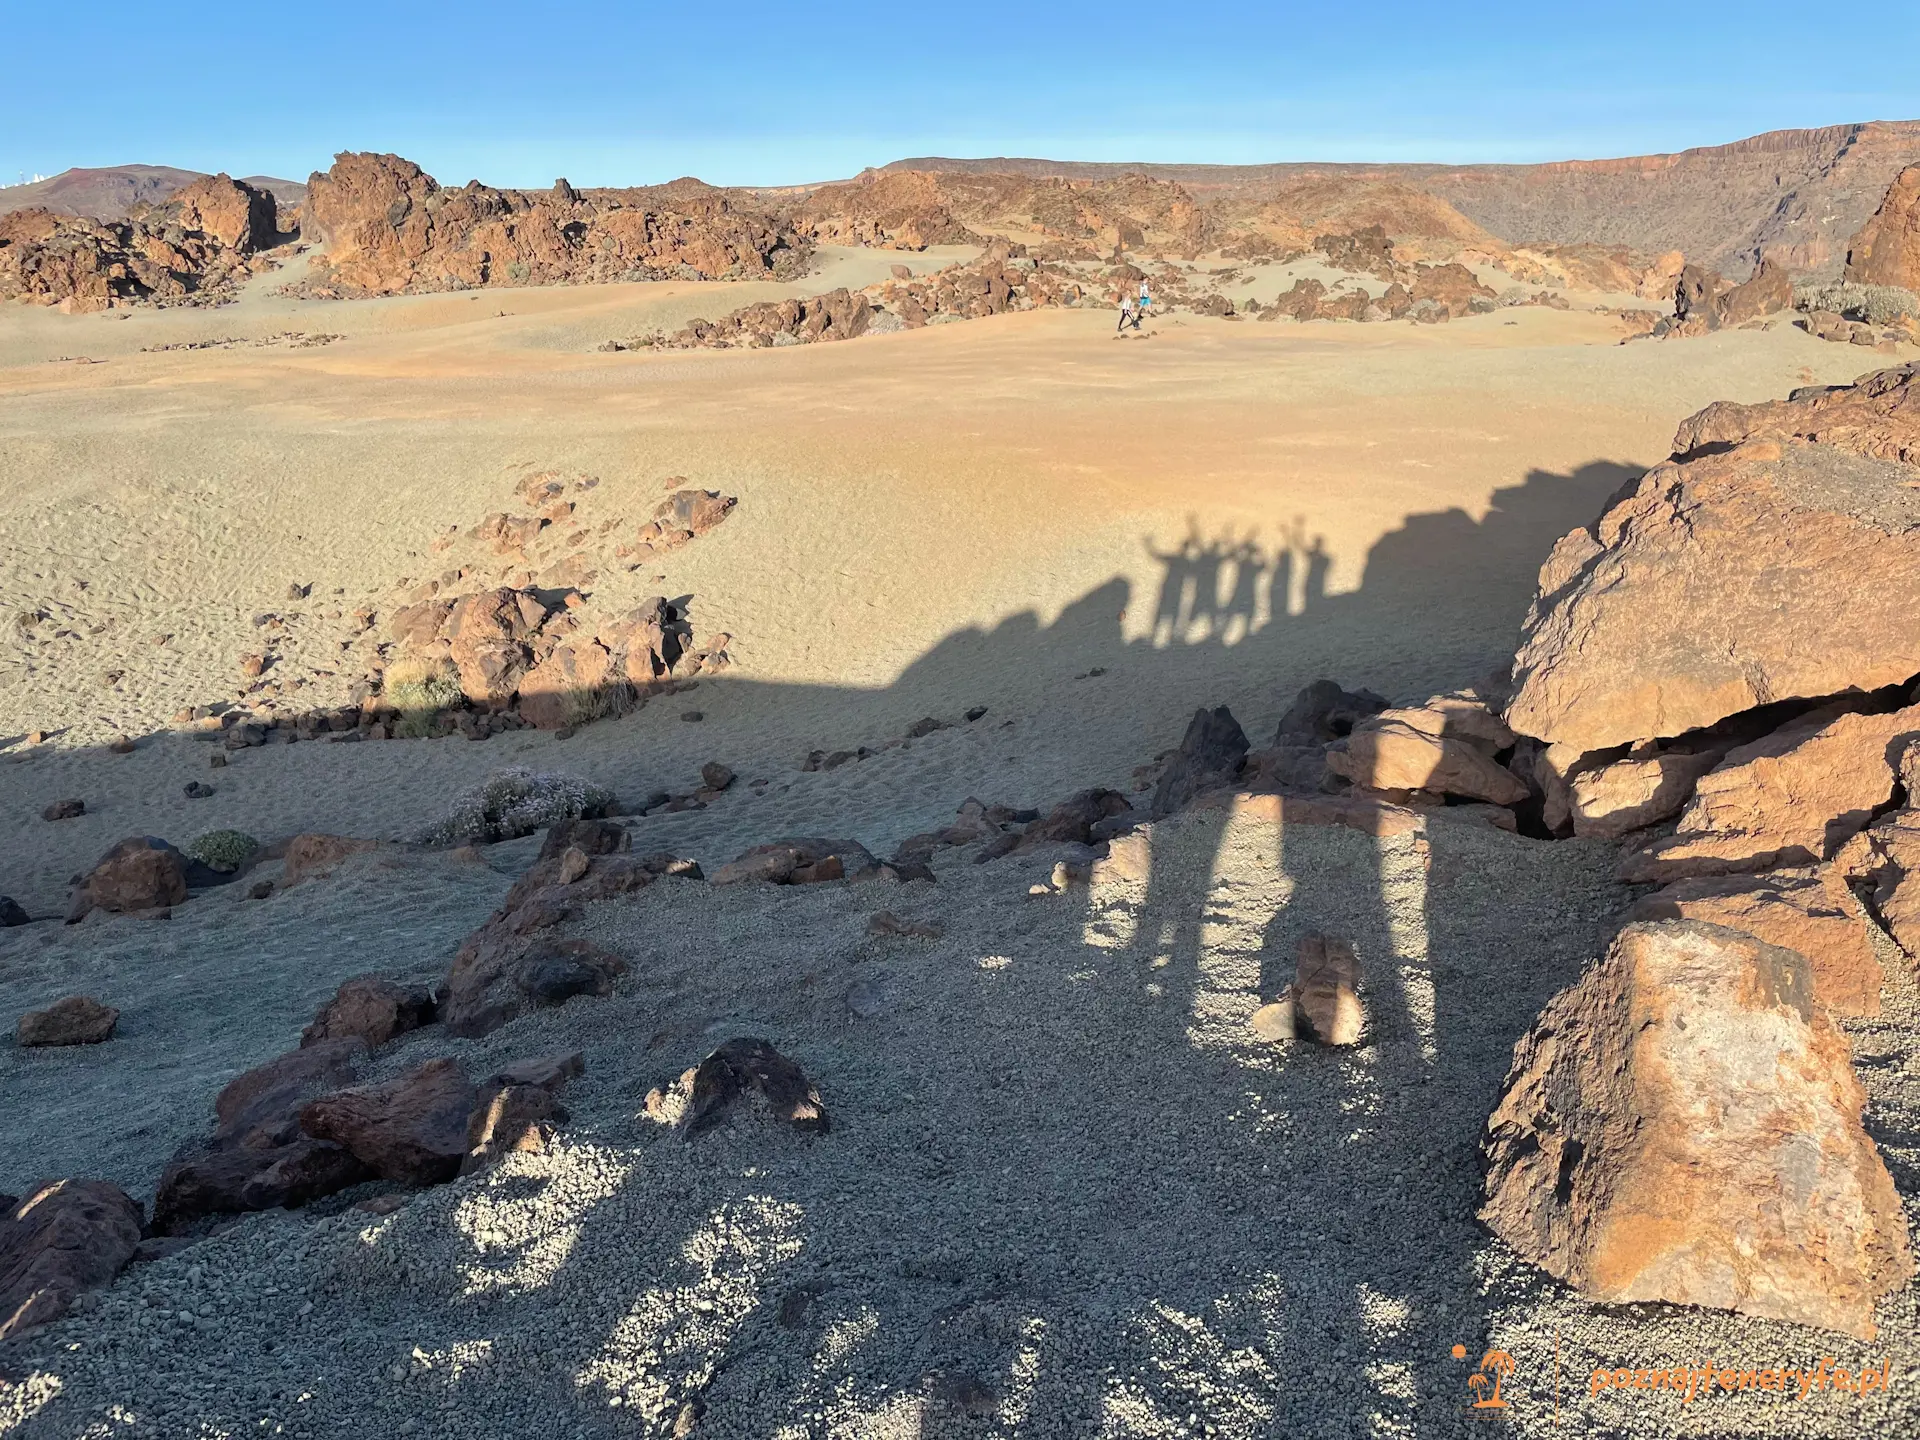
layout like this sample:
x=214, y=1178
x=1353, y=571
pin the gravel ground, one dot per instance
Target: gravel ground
x=1066, y=1192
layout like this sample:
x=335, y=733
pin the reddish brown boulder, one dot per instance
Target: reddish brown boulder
x=373, y=1008
x=1887, y=249
x=258, y=1157
x=413, y=1129
x=1451, y=285
x=1639, y=790
x=1684, y=1125
x=1767, y=293
x=1731, y=580
x=577, y=682
x=313, y=856
x=1798, y=910
x=60, y=1238
x=1792, y=798
x=76, y=1020
x=499, y=973
x=140, y=873
x=797, y=862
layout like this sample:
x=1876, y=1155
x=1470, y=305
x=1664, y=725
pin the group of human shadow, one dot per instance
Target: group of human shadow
x=1225, y=588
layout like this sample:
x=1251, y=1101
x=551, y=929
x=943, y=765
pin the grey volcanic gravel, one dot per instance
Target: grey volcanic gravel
x=1067, y=1191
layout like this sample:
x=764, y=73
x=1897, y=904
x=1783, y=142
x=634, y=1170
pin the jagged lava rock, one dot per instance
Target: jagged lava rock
x=139, y=873
x=75, y=1020
x=373, y=1008
x=1209, y=756
x=1684, y=1125
x=412, y=1129
x=1884, y=861
x=1887, y=249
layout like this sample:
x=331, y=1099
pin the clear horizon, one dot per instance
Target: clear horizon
x=640, y=94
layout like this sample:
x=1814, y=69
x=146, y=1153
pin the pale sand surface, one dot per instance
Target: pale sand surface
x=1059, y=1165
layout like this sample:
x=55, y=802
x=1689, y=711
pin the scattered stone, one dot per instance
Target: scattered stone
x=12, y=913
x=865, y=1000
x=693, y=717
x=260, y=890
x=715, y=776
x=386, y=1204
x=1273, y=1021
x=61, y=1238
x=546, y=1072
x=975, y=712
x=922, y=728
x=1683, y=1125
x=197, y=790
x=122, y=745
x=373, y=1008
x=75, y=1020
x=887, y=923
x=1324, y=996
x=799, y=862
x=64, y=810
x=139, y=873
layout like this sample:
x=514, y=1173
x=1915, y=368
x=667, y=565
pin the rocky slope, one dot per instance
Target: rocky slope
x=113, y=192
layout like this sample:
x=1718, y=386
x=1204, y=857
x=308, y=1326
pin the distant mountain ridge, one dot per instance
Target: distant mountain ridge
x=109, y=193
x=1796, y=195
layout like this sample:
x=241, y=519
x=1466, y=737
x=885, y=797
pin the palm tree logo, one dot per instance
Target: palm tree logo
x=1495, y=1367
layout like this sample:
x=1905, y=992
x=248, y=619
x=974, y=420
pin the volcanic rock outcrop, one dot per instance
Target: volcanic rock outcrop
x=194, y=248
x=1604, y=1169
x=390, y=228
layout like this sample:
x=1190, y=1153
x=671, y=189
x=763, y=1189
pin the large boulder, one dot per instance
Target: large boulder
x=1791, y=798
x=60, y=1238
x=1746, y=572
x=1684, y=1125
x=237, y=215
x=372, y=1008
x=1445, y=746
x=1887, y=249
x=140, y=873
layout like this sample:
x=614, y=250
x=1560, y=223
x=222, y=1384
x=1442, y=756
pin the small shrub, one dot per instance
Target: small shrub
x=518, y=271
x=1875, y=304
x=512, y=803
x=420, y=689
x=223, y=850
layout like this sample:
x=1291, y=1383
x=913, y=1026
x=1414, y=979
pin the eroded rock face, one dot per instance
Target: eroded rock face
x=1792, y=798
x=1887, y=249
x=60, y=1238
x=1884, y=862
x=140, y=873
x=1684, y=1125
x=1800, y=910
x=1735, y=578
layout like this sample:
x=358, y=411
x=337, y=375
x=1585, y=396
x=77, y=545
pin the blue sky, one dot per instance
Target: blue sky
x=742, y=94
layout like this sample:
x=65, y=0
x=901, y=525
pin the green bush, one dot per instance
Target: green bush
x=512, y=803
x=420, y=689
x=223, y=850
